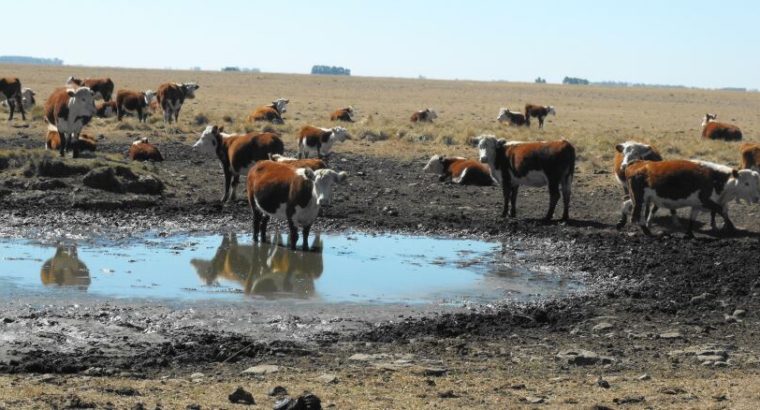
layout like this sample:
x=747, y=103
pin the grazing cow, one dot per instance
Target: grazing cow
x=714, y=130
x=84, y=143
x=459, y=170
x=292, y=194
x=311, y=163
x=319, y=140
x=513, y=117
x=750, y=156
x=27, y=99
x=105, y=109
x=65, y=269
x=127, y=100
x=171, y=96
x=142, y=150
x=272, y=112
x=237, y=152
x=698, y=185
x=538, y=111
x=10, y=88
x=534, y=164
x=68, y=111
x=426, y=115
x=101, y=87
x=343, y=114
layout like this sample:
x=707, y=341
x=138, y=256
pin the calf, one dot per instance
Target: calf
x=10, y=88
x=84, y=143
x=68, y=111
x=272, y=112
x=538, y=111
x=127, y=100
x=105, y=109
x=292, y=194
x=459, y=170
x=750, y=156
x=714, y=130
x=699, y=185
x=513, y=117
x=171, y=96
x=534, y=164
x=319, y=140
x=101, y=87
x=311, y=163
x=237, y=152
x=142, y=150
x=426, y=115
x=343, y=114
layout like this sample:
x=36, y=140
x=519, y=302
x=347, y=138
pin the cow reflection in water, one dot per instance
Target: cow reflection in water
x=65, y=269
x=264, y=269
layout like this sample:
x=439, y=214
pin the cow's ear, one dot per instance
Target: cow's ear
x=221, y=129
x=619, y=148
x=442, y=158
x=501, y=143
x=71, y=93
x=214, y=129
x=735, y=173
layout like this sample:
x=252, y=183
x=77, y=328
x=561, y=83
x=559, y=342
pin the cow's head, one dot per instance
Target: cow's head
x=149, y=96
x=324, y=181
x=340, y=134
x=27, y=97
x=709, y=117
x=488, y=146
x=209, y=140
x=503, y=115
x=189, y=89
x=435, y=165
x=280, y=104
x=550, y=110
x=81, y=103
x=634, y=151
x=73, y=81
x=431, y=114
x=746, y=185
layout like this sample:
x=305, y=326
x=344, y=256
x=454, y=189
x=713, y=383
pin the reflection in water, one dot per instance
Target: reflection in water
x=65, y=269
x=264, y=269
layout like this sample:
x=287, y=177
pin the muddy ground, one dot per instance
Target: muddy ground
x=667, y=321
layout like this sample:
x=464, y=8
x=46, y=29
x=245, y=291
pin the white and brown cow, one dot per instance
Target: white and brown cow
x=343, y=114
x=750, y=156
x=714, y=130
x=698, y=185
x=237, y=152
x=129, y=100
x=10, y=88
x=311, y=163
x=85, y=142
x=538, y=111
x=68, y=111
x=319, y=141
x=291, y=194
x=272, y=112
x=171, y=96
x=142, y=150
x=105, y=109
x=511, y=117
x=533, y=164
x=459, y=170
x=101, y=87
x=426, y=115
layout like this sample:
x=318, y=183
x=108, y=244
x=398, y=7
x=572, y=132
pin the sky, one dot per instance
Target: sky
x=698, y=43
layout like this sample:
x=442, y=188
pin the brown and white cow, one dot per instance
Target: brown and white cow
x=750, y=156
x=85, y=142
x=714, y=130
x=533, y=164
x=68, y=111
x=272, y=112
x=426, y=115
x=237, y=152
x=459, y=170
x=292, y=194
x=128, y=100
x=65, y=269
x=512, y=117
x=538, y=111
x=101, y=87
x=311, y=163
x=105, y=109
x=319, y=141
x=10, y=88
x=698, y=185
x=142, y=150
x=343, y=114
x=171, y=96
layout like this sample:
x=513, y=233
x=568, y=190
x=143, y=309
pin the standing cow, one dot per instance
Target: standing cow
x=538, y=111
x=139, y=101
x=68, y=111
x=171, y=96
x=10, y=88
x=101, y=87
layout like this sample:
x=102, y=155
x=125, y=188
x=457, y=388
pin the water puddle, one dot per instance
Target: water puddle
x=350, y=267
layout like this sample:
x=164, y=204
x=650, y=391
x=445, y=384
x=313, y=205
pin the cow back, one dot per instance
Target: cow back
x=555, y=158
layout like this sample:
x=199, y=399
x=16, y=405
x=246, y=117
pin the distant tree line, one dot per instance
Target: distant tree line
x=30, y=60
x=244, y=69
x=540, y=80
x=330, y=70
x=575, y=81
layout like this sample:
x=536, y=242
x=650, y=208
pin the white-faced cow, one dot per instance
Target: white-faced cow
x=311, y=163
x=714, y=130
x=171, y=96
x=101, y=87
x=10, y=89
x=534, y=164
x=319, y=141
x=272, y=112
x=68, y=111
x=291, y=194
x=538, y=111
x=237, y=152
x=426, y=115
x=459, y=170
x=343, y=114
x=511, y=117
x=138, y=101
x=142, y=150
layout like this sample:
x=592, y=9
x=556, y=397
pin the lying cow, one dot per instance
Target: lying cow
x=84, y=143
x=750, y=156
x=311, y=163
x=142, y=150
x=698, y=185
x=105, y=109
x=538, y=111
x=319, y=141
x=101, y=87
x=426, y=115
x=27, y=100
x=171, y=96
x=512, y=117
x=237, y=152
x=459, y=170
x=10, y=88
x=139, y=101
x=67, y=111
x=272, y=112
x=292, y=194
x=533, y=164
x=343, y=114
x=714, y=130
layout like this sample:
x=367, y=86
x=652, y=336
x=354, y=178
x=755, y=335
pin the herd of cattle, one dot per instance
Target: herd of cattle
x=294, y=189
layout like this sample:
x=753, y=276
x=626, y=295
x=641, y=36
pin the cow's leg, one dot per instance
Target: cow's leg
x=692, y=217
x=62, y=145
x=625, y=210
x=513, y=201
x=506, y=189
x=235, y=180
x=176, y=114
x=553, y=199
x=541, y=122
x=727, y=224
x=227, y=182
x=11, y=108
x=167, y=114
x=119, y=113
x=566, y=192
x=263, y=228
x=140, y=117
x=293, y=238
x=637, y=197
x=256, y=221
x=74, y=144
x=306, y=229
x=20, y=103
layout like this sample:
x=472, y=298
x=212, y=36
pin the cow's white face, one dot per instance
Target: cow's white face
x=190, y=89
x=81, y=102
x=747, y=186
x=431, y=114
x=435, y=165
x=208, y=142
x=487, y=147
x=27, y=97
x=633, y=151
x=281, y=104
x=709, y=117
x=502, y=115
x=324, y=182
x=339, y=134
x=149, y=96
x=551, y=110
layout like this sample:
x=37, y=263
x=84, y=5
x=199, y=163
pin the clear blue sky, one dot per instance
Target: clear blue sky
x=696, y=43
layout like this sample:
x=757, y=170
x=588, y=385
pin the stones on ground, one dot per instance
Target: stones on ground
x=138, y=406
x=447, y=394
x=277, y=391
x=307, y=401
x=328, y=379
x=193, y=407
x=671, y=335
x=145, y=184
x=699, y=298
x=241, y=396
x=603, y=383
x=601, y=327
x=56, y=168
x=197, y=376
x=434, y=371
x=363, y=357
x=739, y=313
x=580, y=357
x=104, y=179
x=75, y=402
x=672, y=390
x=644, y=377
x=533, y=399
x=629, y=400
x=262, y=369
x=517, y=386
